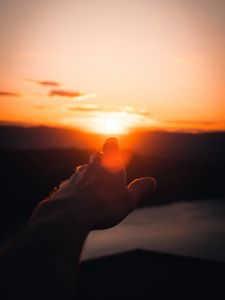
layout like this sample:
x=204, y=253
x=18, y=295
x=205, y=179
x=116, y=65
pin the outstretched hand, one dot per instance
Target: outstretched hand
x=96, y=196
x=97, y=193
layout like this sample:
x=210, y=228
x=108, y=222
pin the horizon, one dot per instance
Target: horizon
x=134, y=131
x=193, y=146
x=113, y=67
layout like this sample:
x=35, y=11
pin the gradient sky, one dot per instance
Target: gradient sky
x=155, y=64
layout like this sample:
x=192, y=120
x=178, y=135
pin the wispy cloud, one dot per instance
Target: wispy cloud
x=71, y=94
x=88, y=108
x=85, y=108
x=193, y=122
x=9, y=94
x=141, y=112
x=44, y=82
x=194, y=125
x=65, y=93
x=61, y=92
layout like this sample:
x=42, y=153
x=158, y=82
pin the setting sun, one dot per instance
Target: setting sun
x=110, y=124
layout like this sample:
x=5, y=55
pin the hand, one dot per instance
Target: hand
x=96, y=195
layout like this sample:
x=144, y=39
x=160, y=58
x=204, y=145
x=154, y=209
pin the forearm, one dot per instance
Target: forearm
x=41, y=262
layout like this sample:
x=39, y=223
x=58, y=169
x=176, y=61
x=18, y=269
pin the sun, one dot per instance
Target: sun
x=110, y=124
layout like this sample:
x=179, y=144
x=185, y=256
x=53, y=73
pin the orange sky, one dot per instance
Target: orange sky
x=113, y=65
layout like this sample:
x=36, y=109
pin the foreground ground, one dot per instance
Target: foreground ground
x=149, y=275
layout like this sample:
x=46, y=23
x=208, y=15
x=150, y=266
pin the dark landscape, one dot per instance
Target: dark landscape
x=35, y=160
x=188, y=167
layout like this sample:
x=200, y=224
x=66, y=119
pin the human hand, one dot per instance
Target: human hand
x=96, y=196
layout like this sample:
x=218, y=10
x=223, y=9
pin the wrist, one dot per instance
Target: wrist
x=59, y=216
x=55, y=230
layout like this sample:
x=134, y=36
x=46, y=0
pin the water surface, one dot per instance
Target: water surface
x=187, y=228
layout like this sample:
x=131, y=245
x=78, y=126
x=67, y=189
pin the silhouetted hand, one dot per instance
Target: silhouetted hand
x=96, y=195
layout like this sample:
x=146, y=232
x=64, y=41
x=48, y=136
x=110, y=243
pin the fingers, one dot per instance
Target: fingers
x=109, y=158
x=63, y=184
x=111, y=147
x=96, y=158
x=142, y=187
x=58, y=189
x=80, y=168
x=84, y=171
x=100, y=162
x=112, y=160
x=78, y=171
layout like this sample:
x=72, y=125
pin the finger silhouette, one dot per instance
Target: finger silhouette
x=111, y=146
x=142, y=187
x=80, y=168
x=96, y=158
x=112, y=159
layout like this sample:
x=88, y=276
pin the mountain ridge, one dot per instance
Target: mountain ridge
x=208, y=146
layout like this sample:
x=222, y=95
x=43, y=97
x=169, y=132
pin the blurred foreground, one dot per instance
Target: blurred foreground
x=150, y=275
x=194, y=229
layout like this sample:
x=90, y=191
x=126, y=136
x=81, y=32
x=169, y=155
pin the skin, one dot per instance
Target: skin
x=94, y=197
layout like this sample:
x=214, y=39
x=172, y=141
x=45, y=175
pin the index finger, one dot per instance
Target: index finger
x=112, y=159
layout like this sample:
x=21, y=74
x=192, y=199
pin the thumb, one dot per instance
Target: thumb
x=142, y=187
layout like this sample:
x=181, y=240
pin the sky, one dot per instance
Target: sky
x=113, y=65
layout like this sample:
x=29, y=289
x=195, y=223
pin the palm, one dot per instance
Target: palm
x=110, y=200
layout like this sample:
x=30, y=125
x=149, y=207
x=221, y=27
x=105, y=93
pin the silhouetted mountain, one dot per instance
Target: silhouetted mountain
x=15, y=137
x=198, y=147
x=201, y=146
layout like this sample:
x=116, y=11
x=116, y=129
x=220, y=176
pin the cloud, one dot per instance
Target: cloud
x=131, y=110
x=9, y=94
x=194, y=122
x=62, y=92
x=142, y=112
x=65, y=93
x=195, y=125
x=71, y=94
x=89, y=108
x=44, y=82
x=85, y=109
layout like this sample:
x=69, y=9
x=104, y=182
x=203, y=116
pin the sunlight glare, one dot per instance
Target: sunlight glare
x=110, y=124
